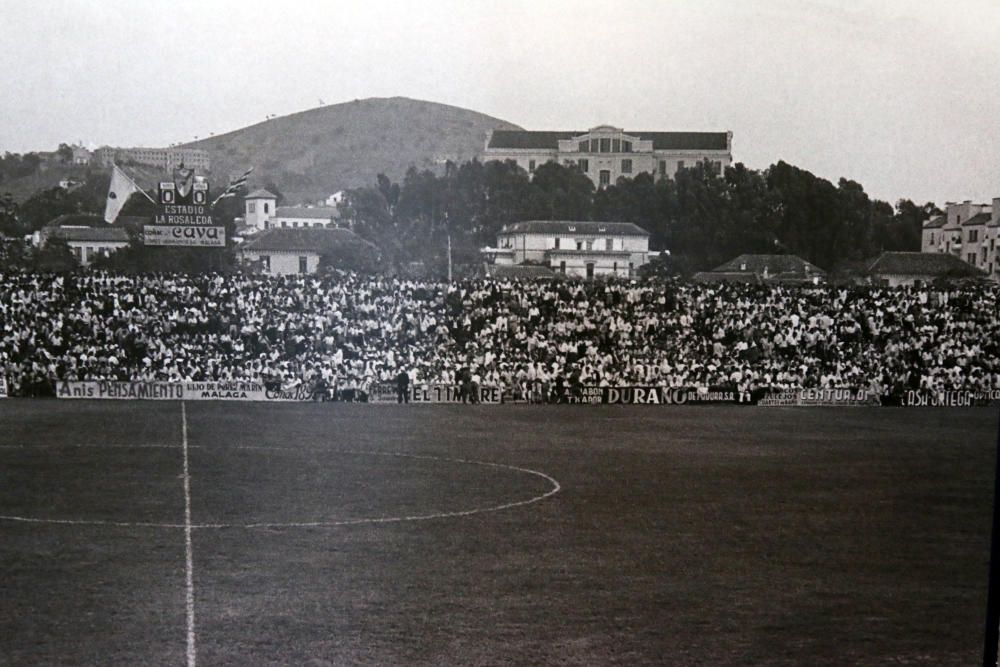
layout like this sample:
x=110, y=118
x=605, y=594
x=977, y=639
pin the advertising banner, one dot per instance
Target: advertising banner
x=433, y=393
x=177, y=391
x=244, y=391
x=819, y=397
x=950, y=399
x=177, y=235
x=663, y=396
x=146, y=391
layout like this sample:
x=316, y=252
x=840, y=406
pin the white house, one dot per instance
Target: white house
x=261, y=212
x=283, y=251
x=85, y=242
x=968, y=231
x=584, y=249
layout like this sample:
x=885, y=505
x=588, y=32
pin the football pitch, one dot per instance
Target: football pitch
x=161, y=533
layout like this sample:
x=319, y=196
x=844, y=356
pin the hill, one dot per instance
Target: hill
x=313, y=153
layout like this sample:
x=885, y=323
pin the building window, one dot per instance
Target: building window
x=663, y=167
x=303, y=265
x=971, y=258
x=932, y=239
x=614, y=268
x=680, y=165
x=584, y=146
x=531, y=166
x=556, y=245
x=616, y=145
x=252, y=207
x=973, y=235
x=590, y=245
x=562, y=267
x=626, y=147
x=583, y=165
x=265, y=263
x=609, y=245
x=605, y=145
x=284, y=223
x=626, y=166
x=605, y=177
x=267, y=208
x=590, y=269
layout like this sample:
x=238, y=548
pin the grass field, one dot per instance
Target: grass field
x=331, y=534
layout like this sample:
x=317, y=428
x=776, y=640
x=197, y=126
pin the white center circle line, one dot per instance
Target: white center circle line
x=554, y=488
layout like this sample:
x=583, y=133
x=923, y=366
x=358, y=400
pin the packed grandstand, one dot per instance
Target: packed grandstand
x=343, y=335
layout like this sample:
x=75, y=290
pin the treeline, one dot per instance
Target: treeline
x=19, y=220
x=701, y=217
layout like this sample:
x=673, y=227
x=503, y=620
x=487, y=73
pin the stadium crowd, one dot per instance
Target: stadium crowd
x=534, y=339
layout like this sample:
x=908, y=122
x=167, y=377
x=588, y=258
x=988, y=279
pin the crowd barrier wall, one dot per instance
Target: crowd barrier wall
x=491, y=395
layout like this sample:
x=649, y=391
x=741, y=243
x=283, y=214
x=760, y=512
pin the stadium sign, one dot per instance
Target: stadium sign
x=184, y=215
x=819, y=397
x=174, y=235
x=950, y=399
x=146, y=391
x=663, y=396
x=186, y=391
x=433, y=393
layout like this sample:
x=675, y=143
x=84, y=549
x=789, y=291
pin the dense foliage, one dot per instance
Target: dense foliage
x=702, y=218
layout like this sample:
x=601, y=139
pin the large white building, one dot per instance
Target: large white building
x=604, y=153
x=163, y=158
x=968, y=231
x=582, y=249
x=261, y=212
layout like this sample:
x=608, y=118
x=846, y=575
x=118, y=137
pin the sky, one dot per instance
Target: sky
x=902, y=96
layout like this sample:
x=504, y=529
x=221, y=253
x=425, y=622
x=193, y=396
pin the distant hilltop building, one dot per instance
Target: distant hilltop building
x=968, y=231
x=163, y=158
x=605, y=153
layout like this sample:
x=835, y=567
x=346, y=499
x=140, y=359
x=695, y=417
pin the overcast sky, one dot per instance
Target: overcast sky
x=901, y=96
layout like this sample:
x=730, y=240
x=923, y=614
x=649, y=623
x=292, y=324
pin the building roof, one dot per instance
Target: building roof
x=519, y=271
x=527, y=139
x=315, y=212
x=726, y=277
x=574, y=227
x=778, y=266
x=76, y=220
x=935, y=222
x=930, y=264
x=304, y=239
x=261, y=193
x=90, y=234
x=978, y=219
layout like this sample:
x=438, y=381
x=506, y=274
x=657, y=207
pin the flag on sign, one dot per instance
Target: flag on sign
x=120, y=190
x=234, y=186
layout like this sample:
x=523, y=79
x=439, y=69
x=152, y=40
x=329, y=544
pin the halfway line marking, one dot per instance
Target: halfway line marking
x=192, y=656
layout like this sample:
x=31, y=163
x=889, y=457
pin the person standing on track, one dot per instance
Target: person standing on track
x=402, y=386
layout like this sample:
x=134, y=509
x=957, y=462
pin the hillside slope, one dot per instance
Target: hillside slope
x=313, y=153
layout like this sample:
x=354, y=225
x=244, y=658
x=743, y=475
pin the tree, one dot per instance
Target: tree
x=55, y=255
x=65, y=153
